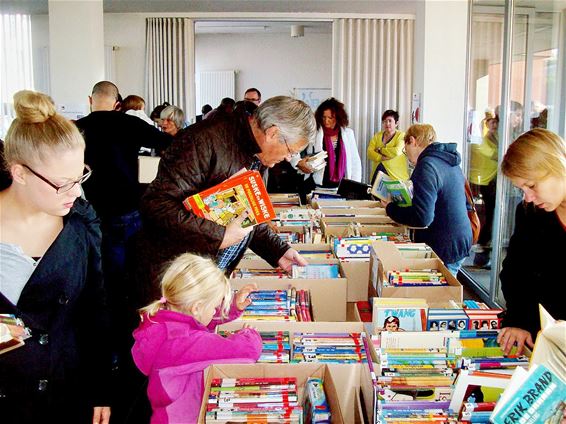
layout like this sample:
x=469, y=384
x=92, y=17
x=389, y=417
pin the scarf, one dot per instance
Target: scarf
x=336, y=171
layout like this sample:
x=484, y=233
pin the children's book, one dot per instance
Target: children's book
x=536, y=396
x=244, y=192
x=386, y=188
x=477, y=386
x=315, y=271
x=399, y=314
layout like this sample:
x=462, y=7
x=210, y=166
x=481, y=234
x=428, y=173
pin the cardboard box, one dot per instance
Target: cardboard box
x=346, y=376
x=357, y=274
x=353, y=211
x=328, y=296
x=362, y=219
x=261, y=263
x=364, y=229
x=302, y=372
x=385, y=257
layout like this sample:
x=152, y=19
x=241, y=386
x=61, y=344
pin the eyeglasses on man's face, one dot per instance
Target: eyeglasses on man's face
x=65, y=187
x=252, y=99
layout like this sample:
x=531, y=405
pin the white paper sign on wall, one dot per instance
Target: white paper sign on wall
x=312, y=96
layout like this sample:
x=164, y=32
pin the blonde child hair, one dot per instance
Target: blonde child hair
x=189, y=279
x=536, y=154
x=38, y=130
x=424, y=134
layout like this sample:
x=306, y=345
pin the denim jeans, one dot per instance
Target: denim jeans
x=454, y=267
x=116, y=249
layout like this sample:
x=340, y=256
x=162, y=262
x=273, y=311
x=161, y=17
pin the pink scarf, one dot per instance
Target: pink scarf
x=336, y=171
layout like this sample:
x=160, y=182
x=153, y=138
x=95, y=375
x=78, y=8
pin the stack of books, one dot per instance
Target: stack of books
x=447, y=319
x=415, y=278
x=476, y=412
x=316, y=254
x=407, y=248
x=481, y=316
x=243, y=400
x=433, y=374
x=285, y=200
x=279, y=305
x=277, y=273
x=317, y=161
x=276, y=348
x=338, y=348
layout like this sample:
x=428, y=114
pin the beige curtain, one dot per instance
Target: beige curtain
x=170, y=66
x=16, y=65
x=372, y=71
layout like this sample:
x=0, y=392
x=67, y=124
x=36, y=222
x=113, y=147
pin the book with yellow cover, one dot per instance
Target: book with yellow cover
x=224, y=202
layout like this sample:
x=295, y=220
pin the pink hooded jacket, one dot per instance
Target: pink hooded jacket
x=173, y=349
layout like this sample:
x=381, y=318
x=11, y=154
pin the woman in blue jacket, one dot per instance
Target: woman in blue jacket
x=439, y=198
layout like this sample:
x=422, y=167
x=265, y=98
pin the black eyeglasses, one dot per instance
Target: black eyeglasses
x=65, y=187
x=404, y=151
x=251, y=100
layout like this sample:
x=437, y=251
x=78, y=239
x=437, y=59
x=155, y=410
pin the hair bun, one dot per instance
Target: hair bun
x=32, y=107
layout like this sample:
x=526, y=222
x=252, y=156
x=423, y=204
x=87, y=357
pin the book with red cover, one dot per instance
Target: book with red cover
x=232, y=197
x=365, y=311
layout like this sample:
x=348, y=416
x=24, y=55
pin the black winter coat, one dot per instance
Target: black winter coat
x=532, y=270
x=202, y=155
x=61, y=372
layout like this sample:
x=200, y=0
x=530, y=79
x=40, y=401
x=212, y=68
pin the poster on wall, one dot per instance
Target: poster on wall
x=416, y=108
x=312, y=96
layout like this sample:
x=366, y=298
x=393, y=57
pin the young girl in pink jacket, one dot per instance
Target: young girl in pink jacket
x=175, y=341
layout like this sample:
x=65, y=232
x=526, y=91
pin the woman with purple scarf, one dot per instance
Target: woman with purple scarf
x=338, y=141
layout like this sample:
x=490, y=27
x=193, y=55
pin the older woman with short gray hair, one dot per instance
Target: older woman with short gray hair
x=172, y=120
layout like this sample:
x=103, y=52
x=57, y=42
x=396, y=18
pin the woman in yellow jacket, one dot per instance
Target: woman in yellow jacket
x=483, y=177
x=385, y=149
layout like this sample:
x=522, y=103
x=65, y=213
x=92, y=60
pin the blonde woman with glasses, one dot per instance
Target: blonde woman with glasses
x=51, y=274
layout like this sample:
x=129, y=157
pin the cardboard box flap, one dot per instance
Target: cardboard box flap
x=388, y=254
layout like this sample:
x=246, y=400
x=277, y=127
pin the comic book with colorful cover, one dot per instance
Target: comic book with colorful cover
x=386, y=188
x=244, y=192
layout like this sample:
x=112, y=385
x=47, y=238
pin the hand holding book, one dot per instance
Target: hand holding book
x=234, y=232
x=389, y=190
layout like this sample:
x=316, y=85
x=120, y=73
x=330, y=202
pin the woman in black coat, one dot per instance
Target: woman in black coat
x=532, y=270
x=51, y=274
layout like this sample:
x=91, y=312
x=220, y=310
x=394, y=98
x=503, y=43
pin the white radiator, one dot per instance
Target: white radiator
x=213, y=86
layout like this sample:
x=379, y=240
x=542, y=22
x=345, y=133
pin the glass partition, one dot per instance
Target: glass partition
x=515, y=75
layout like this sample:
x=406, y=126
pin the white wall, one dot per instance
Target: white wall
x=440, y=66
x=76, y=51
x=126, y=31
x=40, y=52
x=273, y=63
